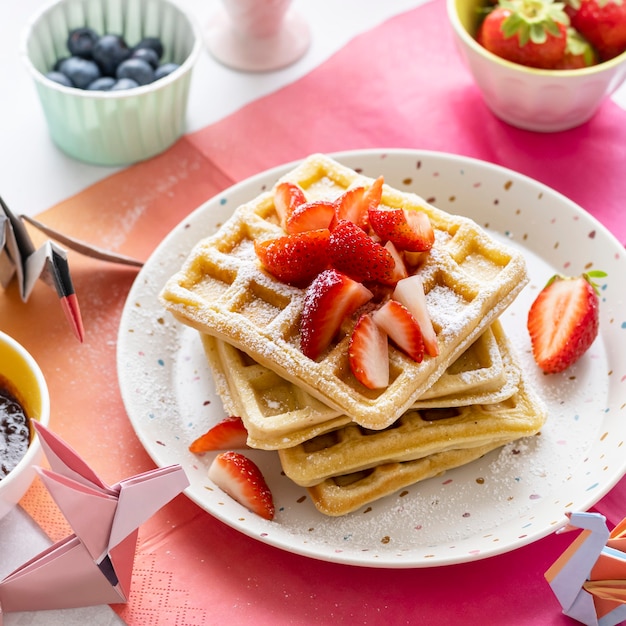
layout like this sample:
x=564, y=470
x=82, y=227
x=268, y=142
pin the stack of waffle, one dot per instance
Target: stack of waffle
x=347, y=444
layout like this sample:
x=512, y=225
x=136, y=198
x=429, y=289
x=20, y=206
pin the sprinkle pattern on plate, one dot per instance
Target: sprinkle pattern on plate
x=505, y=500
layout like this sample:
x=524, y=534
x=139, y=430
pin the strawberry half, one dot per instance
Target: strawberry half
x=225, y=435
x=295, y=259
x=352, y=251
x=328, y=300
x=242, y=480
x=396, y=320
x=287, y=196
x=407, y=230
x=311, y=216
x=368, y=353
x=410, y=292
x=563, y=321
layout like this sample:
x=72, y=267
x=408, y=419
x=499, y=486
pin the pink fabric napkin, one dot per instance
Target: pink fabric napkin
x=400, y=85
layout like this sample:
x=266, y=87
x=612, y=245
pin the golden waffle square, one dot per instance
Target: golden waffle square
x=344, y=494
x=279, y=414
x=221, y=290
x=364, y=466
x=416, y=434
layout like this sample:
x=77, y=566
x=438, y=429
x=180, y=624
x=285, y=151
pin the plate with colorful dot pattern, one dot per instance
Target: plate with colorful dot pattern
x=505, y=500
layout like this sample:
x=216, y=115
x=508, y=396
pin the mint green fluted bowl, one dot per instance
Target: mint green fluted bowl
x=120, y=127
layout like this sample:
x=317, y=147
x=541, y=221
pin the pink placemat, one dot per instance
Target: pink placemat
x=403, y=85
x=399, y=85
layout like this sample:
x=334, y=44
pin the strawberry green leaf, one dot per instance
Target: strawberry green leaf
x=533, y=20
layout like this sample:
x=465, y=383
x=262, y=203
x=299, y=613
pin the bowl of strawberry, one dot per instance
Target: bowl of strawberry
x=542, y=65
x=112, y=77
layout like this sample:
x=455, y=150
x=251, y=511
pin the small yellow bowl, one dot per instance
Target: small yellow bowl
x=529, y=98
x=21, y=377
x=114, y=127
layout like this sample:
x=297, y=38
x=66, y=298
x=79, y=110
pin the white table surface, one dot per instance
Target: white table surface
x=35, y=175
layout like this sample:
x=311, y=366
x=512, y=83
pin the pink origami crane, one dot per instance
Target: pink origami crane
x=589, y=578
x=94, y=564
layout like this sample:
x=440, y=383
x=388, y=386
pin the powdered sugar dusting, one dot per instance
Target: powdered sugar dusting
x=508, y=498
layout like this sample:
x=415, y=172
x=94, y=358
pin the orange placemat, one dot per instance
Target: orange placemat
x=399, y=85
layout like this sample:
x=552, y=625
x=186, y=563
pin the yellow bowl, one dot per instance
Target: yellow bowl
x=21, y=377
x=114, y=127
x=529, y=98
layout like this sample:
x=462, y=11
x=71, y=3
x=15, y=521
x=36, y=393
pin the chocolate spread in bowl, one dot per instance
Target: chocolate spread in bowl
x=14, y=432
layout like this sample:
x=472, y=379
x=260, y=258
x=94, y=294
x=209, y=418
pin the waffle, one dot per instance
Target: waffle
x=279, y=414
x=221, y=290
x=416, y=434
x=344, y=494
x=349, y=468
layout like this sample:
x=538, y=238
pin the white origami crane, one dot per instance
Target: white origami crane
x=94, y=564
x=589, y=578
x=20, y=260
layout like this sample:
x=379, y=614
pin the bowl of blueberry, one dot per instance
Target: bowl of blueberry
x=113, y=77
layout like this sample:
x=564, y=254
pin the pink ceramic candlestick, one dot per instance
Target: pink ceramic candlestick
x=257, y=35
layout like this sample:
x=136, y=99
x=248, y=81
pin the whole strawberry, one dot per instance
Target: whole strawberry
x=563, y=321
x=528, y=32
x=602, y=23
x=579, y=53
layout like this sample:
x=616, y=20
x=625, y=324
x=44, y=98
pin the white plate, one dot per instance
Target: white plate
x=507, y=499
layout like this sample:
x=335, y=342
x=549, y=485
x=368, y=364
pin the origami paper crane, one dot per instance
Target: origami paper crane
x=20, y=260
x=589, y=578
x=94, y=564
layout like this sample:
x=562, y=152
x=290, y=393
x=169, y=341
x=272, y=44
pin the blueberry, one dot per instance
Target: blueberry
x=80, y=42
x=153, y=43
x=104, y=83
x=140, y=71
x=148, y=55
x=59, y=77
x=57, y=64
x=124, y=83
x=80, y=71
x=165, y=70
x=109, y=51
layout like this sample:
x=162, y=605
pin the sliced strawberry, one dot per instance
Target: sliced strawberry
x=242, y=480
x=329, y=299
x=352, y=251
x=563, y=321
x=368, y=353
x=410, y=292
x=408, y=230
x=400, y=270
x=413, y=260
x=228, y=434
x=287, y=196
x=311, y=216
x=373, y=194
x=295, y=259
x=351, y=206
x=396, y=320
x=354, y=204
